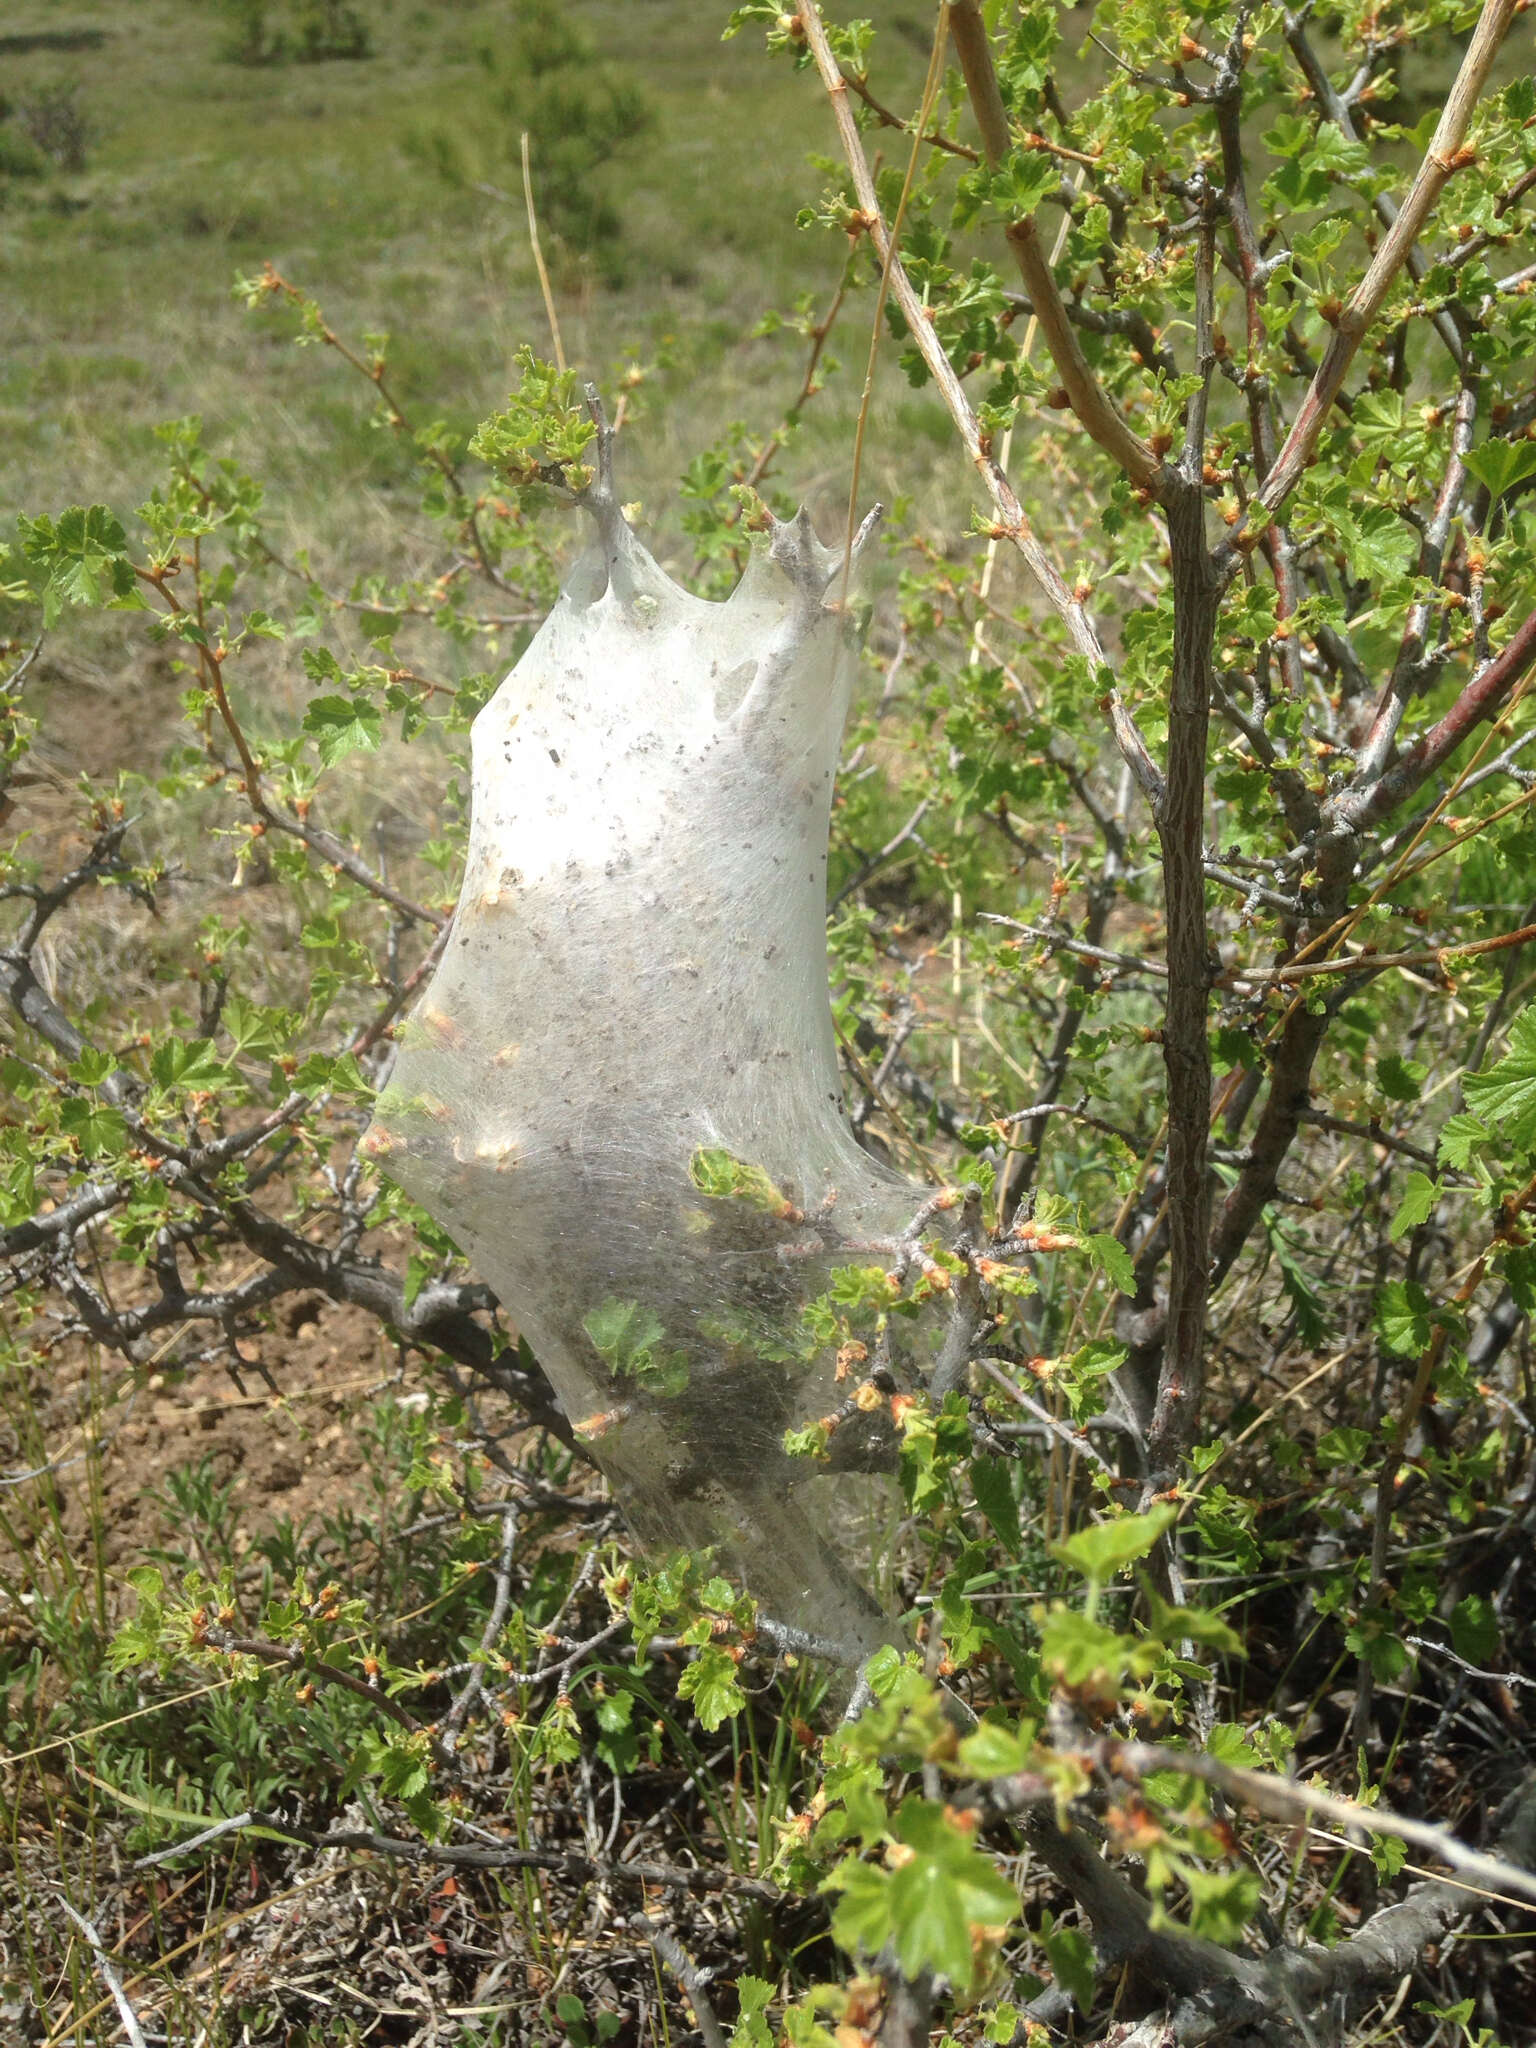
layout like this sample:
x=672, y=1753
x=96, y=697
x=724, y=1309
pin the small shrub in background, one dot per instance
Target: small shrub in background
x=305, y=31
x=547, y=79
x=54, y=122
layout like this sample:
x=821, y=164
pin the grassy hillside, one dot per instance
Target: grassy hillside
x=118, y=311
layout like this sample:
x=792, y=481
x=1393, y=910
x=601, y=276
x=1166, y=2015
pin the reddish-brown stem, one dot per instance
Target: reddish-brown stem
x=326, y=844
x=1481, y=699
x=859, y=86
x=1011, y=522
x=808, y=385
x=1441, y=160
x=373, y=372
x=1089, y=401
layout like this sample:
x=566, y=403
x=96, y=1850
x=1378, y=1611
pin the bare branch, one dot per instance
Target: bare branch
x=1441, y=160
x=1090, y=402
x=1012, y=524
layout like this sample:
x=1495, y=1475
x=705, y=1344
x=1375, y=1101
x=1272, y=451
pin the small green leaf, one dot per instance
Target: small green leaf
x=1070, y=1953
x=1475, y=1629
x=753, y=1997
x=1402, y=1317
x=1402, y=1080
x=710, y=1682
x=991, y=1751
x=992, y=1484
x=188, y=1063
x=1504, y=1094
x=1111, y=1256
x=1502, y=464
x=1222, y=1902
x=342, y=726
x=1107, y=1548
x=1420, y=1195
x=1192, y=1624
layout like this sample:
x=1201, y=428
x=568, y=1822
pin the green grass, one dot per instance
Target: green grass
x=118, y=311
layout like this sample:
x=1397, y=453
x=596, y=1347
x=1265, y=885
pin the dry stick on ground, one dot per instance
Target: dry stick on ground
x=686, y=1971
x=566, y=1863
x=108, y=1973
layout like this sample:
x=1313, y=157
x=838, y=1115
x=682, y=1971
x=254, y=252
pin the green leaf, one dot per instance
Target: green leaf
x=992, y=1484
x=1111, y=1256
x=1377, y=543
x=1504, y=1094
x=1080, y=1652
x=714, y=1171
x=928, y=1905
x=342, y=726
x=1222, y=1902
x=92, y=1067
x=627, y=1337
x=84, y=556
x=753, y=1997
x=1389, y=1853
x=1403, y=1080
x=1459, y=1138
x=1173, y=1625
x=1023, y=180
x=1070, y=1953
x=1402, y=1317
x=710, y=1682
x=96, y=1127
x=1420, y=1195
x=1107, y=1548
x=990, y=1751
x=1502, y=464
x=188, y=1063
x=1475, y=1629
x=542, y=432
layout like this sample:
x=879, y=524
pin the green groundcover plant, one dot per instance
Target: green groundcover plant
x=1181, y=891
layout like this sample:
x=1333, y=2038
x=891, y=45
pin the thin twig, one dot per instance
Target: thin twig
x=107, y=1970
x=538, y=260
x=1012, y=523
x=1286, y=1800
x=1443, y=157
x=687, y=1973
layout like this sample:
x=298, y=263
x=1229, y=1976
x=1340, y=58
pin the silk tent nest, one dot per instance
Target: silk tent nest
x=620, y=1090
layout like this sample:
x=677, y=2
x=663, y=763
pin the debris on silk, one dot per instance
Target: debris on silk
x=620, y=1091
